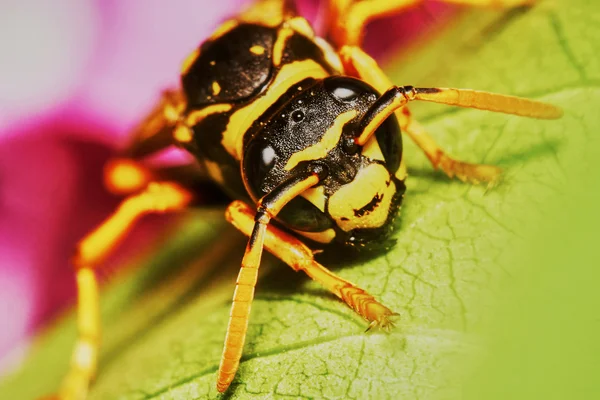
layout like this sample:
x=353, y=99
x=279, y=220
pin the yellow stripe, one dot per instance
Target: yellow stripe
x=183, y=133
x=372, y=150
x=329, y=140
x=224, y=28
x=282, y=37
x=196, y=116
x=302, y=26
x=189, y=60
x=331, y=56
x=242, y=119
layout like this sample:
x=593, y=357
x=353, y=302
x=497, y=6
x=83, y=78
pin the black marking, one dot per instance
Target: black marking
x=227, y=60
x=370, y=206
x=206, y=145
x=299, y=47
x=310, y=108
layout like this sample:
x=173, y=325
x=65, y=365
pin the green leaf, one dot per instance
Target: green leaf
x=459, y=250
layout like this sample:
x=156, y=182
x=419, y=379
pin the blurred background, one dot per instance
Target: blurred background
x=75, y=76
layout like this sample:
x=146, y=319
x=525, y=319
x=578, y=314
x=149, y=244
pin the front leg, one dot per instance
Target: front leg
x=299, y=257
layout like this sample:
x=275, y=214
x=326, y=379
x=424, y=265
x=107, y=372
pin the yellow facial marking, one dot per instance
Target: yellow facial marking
x=282, y=37
x=316, y=196
x=372, y=150
x=196, y=116
x=189, y=60
x=321, y=237
x=241, y=119
x=258, y=50
x=182, y=133
x=216, y=88
x=364, y=202
x=329, y=140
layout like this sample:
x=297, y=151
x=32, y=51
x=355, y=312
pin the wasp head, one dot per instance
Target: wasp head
x=316, y=127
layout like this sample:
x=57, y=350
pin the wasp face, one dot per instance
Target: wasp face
x=317, y=126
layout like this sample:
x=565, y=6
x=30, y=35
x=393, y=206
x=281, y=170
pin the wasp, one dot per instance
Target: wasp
x=303, y=132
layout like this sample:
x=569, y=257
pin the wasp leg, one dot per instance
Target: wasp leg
x=358, y=63
x=267, y=208
x=298, y=256
x=346, y=19
x=123, y=176
x=157, y=130
x=91, y=250
x=466, y=172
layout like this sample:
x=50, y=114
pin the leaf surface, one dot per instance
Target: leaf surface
x=455, y=253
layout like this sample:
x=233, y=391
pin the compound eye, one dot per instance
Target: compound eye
x=345, y=89
x=259, y=160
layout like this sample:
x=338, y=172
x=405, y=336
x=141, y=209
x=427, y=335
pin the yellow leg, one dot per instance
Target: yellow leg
x=123, y=176
x=466, y=172
x=157, y=197
x=346, y=19
x=267, y=208
x=298, y=256
x=361, y=65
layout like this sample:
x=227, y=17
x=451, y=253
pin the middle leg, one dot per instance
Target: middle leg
x=361, y=65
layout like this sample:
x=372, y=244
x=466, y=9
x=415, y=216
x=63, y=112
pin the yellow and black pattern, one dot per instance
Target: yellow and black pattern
x=317, y=126
x=234, y=78
x=271, y=99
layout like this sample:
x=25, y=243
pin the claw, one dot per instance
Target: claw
x=386, y=322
